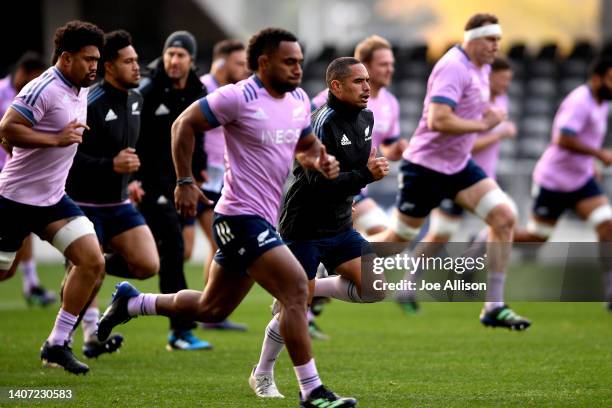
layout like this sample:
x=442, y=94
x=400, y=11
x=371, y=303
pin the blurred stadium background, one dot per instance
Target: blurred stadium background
x=549, y=42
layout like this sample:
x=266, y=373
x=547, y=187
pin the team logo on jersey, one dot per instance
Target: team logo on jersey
x=110, y=115
x=135, y=110
x=262, y=239
x=368, y=136
x=162, y=110
x=345, y=141
x=298, y=113
x=260, y=114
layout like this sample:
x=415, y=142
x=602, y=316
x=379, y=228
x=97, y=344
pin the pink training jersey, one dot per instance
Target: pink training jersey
x=214, y=143
x=386, y=115
x=37, y=176
x=457, y=82
x=487, y=157
x=580, y=116
x=7, y=94
x=261, y=133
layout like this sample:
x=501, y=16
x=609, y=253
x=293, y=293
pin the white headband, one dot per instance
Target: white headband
x=484, y=31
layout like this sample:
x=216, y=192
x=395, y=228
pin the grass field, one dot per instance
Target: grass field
x=439, y=358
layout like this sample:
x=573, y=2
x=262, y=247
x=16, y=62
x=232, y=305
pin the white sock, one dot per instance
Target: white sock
x=64, y=323
x=495, y=290
x=271, y=348
x=143, y=304
x=337, y=287
x=309, y=315
x=90, y=323
x=30, y=277
x=308, y=377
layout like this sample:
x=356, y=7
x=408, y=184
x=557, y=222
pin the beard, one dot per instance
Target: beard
x=604, y=93
x=281, y=86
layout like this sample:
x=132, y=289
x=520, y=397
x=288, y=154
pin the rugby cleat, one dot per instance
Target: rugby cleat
x=39, y=296
x=321, y=397
x=263, y=385
x=224, y=325
x=503, y=316
x=317, y=304
x=93, y=348
x=61, y=357
x=116, y=313
x=315, y=332
x=185, y=340
x=409, y=306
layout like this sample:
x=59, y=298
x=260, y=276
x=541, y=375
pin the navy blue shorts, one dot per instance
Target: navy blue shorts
x=212, y=196
x=112, y=221
x=550, y=204
x=242, y=239
x=448, y=206
x=19, y=220
x=331, y=252
x=423, y=189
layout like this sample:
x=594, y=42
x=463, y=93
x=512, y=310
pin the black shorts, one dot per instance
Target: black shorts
x=212, y=196
x=242, y=239
x=449, y=207
x=550, y=204
x=19, y=220
x=113, y=220
x=331, y=252
x=422, y=189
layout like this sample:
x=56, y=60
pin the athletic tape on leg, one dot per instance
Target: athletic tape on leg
x=375, y=217
x=402, y=230
x=540, y=229
x=75, y=229
x=441, y=225
x=491, y=200
x=599, y=215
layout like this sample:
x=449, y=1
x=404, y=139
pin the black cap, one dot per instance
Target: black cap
x=182, y=39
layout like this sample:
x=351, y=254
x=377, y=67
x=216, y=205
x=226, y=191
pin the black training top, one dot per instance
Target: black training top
x=113, y=117
x=315, y=207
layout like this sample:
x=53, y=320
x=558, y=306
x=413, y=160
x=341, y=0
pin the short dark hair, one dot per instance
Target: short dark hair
x=266, y=41
x=31, y=61
x=75, y=35
x=339, y=69
x=226, y=47
x=113, y=42
x=480, y=19
x=501, y=64
x=601, y=65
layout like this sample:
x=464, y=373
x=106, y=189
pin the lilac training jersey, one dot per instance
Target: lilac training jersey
x=261, y=133
x=7, y=94
x=487, y=157
x=457, y=82
x=37, y=176
x=214, y=143
x=580, y=116
x=386, y=115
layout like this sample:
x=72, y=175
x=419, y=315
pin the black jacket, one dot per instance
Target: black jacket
x=113, y=117
x=162, y=105
x=315, y=207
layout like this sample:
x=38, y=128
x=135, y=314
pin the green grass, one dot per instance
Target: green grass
x=439, y=358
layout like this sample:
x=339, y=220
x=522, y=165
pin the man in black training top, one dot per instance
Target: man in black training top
x=99, y=177
x=316, y=220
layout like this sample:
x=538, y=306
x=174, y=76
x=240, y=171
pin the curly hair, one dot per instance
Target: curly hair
x=75, y=35
x=266, y=41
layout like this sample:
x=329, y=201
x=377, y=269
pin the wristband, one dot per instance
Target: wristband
x=184, y=181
